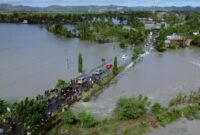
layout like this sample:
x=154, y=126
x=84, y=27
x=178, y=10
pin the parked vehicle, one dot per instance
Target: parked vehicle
x=81, y=80
x=109, y=66
x=99, y=72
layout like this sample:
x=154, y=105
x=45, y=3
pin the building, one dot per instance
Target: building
x=173, y=39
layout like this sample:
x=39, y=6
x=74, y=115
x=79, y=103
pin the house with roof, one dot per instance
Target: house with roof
x=176, y=39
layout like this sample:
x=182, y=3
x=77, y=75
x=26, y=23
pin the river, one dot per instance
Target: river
x=32, y=59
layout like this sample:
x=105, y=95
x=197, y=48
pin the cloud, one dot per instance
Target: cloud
x=104, y=2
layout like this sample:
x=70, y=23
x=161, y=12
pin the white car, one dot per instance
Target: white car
x=81, y=80
x=124, y=56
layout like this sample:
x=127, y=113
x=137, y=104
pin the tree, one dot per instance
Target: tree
x=160, y=46
x=196, y=41
x=80, y=63
x=29, y=112
x=85, y=32
x=137, y=51
x=115, y=67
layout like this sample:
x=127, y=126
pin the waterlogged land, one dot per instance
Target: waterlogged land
x=32, y=59
x=159, y=76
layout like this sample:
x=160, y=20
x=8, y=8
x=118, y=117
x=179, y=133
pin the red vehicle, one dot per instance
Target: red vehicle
x=109, y=66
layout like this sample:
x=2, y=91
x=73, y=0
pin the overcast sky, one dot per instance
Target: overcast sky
x=131, y=3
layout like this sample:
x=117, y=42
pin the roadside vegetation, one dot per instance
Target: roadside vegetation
x=133, y=116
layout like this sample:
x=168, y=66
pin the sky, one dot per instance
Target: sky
x=129, y=3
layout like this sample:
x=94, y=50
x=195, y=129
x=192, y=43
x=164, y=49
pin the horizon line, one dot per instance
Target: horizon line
x=93, y=5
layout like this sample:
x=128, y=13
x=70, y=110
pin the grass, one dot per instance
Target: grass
x=111, y=127
x=141, y=129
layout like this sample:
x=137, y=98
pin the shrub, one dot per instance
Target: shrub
x=192, y=111
x=172, y=102
x=157, y=108
x=167, y=117
x=181, y=97
x=69, y=117
x=194, y=97
x=131, y=108
x=86, y=119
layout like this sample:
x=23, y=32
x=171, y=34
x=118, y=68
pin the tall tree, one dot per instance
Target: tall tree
x=115, y=68
x=80, y=63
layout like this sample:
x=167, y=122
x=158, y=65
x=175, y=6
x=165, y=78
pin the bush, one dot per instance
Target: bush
x=192, y=111
x=194, y=97
x=131, y=108
x=157, y=108
x=69, y=117
x=172, y=102
x=86, y=119
x=166, y=117
x=180, y=99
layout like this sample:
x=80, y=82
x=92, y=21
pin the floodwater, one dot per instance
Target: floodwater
x=182, y=127
x=159, y=76
x=32, y=59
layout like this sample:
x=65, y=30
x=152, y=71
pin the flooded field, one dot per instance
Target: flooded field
x=32, y=59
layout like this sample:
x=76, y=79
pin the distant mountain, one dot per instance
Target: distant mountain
x=91, y=8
